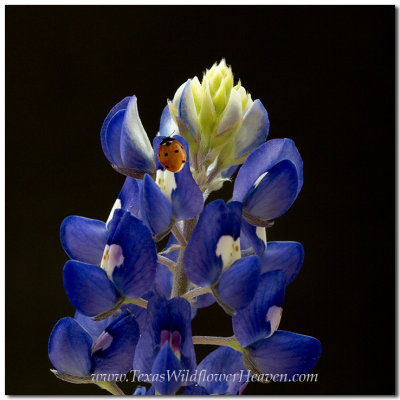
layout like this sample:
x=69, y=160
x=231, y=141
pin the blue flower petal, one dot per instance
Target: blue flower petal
x=187, y=110
x=253, y=131
x=139, y=313
x=156, y=208
x=195, y=390
x=167, y=123
x=205, y=300
x=166, y=364
x=94, y=328
x=113, y=351
x=274, y=194
x=202, y=264
x=129, y=194
x=262, y=160
x=187, y=199
x=110, y=147
x=88, y=288
x=226, y=361
x=134, y=271
x=83, y=239
x=261, y=317
x=136, y=150
x=238, y=284
x=142, y=391
x=285, y=353
x=172, y=315
x=287, y=256
x=163, y=281
x=124, y=140
x=69, y=348
x=250, y=238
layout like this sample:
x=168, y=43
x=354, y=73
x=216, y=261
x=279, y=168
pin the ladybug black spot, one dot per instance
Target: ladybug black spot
x=166, y=155
x=183, y=161
x=176, y=151
x=166, y=166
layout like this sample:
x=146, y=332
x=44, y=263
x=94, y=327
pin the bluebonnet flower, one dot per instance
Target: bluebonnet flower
x=213, y=258
x=166, y=346
x=287, y=256
x=169, y=195
x=224, y=363
x=164, y=280
x=219, y=253
x=269, y=181
x=127, y=268
x=265, y=349
x=80, y=347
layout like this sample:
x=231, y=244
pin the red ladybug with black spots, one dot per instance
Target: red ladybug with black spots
x=172, y=155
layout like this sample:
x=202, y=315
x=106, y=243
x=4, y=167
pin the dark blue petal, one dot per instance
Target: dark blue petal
x=83, y=239
x=203, y=301
x=172, y=315
x=135, y=276
x=274, y=195
x=167, y=123
x=253, y=131
x=163, y=281
x=94, y=328
x=224, y=360
x=285, y=353
x=69, y=348
x=249, y=238
x=115, y=356
x=129, y=194
x=287, y=256
x=262, y=160
x=166, y=364
x=106, y=131
x=149, y=342
x=187, y=199
x=180, y=320
x=139, y=313
x=88, y=288
x=261, y=317
x=141, y=391
x=201, y=263
x=136, y=150
x=238, y=284
x=156, y=144
x=155, y=206
x=187, y=110
x=195, y=390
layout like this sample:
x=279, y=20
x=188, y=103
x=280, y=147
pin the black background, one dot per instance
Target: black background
x=325, y=75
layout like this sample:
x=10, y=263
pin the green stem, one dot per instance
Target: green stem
x=219, y=341
x=139, y=302
x=196, y=292
x=111, y=387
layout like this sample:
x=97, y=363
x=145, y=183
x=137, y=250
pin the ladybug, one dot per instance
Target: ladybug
x=172, y=155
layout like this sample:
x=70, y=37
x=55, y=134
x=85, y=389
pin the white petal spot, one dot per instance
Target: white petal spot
x=274, y=315
x=261, y=234
x=112, y=257
x=259, y=179
x=166, y=182
x=117, y=205
x=228, y=249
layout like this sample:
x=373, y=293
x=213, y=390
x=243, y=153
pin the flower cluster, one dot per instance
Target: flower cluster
x=137, y=279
